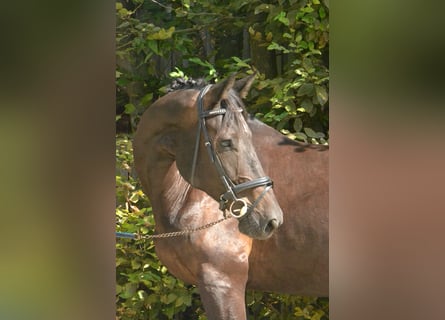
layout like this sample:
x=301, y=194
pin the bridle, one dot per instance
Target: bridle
x=238, y=207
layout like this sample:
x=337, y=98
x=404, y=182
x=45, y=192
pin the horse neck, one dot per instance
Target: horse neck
x=168, y=192
x=154, y=149
x=174, y=192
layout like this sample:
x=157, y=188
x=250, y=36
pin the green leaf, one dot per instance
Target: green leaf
x=282, y=18
x=299, y=37
x=298, y=124
x=177, y=74
x=240, y=62
x=262, y=8
x=310, y=133
x=129, y=290
x=179, y=302
x=153, y=45
x=135, y=264
x=321, y=94
x=170, y=298
x=300, y=136
x=307, y=64
x=147, y=98
x=200, y=62
x=322, y=13
x=161, y=34
x=276, y=46
x=305, y=90
x=129, y=108
x=134, y=197
x=307, y=105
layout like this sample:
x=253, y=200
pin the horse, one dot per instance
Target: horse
x=201, y=158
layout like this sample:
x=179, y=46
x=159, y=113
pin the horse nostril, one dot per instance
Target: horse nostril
x=272, y=225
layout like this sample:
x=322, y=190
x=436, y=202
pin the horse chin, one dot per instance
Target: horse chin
x=251, y=226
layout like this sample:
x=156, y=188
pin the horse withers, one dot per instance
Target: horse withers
x=195, y=156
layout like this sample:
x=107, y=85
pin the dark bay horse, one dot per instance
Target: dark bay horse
x=265, y=248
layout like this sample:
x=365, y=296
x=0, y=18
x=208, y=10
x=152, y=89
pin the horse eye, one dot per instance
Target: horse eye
x=225, y=143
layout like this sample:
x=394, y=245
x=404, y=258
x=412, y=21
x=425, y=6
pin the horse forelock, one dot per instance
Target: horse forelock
x=233, y=116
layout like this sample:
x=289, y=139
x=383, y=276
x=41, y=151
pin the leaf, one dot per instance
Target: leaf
x=200, y=62
x=300, y=136
x=129, y=290
x=310, y=133
x=276, y=46
x=307, y=105
x=262, y=8
x=153, y=45
x=142, y=295
x=161, y=34
x=298, y=124
x=257, y=36
x=135, y=264
x=129, y=108
x=322, y=13
x=298, y=312
x=240, y=62
x=134, y=197
x=282, y=18
x=305, y=90
x=179, y=302
x=307, y=64
x=170, y=298
x=286, y=35
x=147, y=98
x=321, y=94
x=299, y=37
x=177, y=74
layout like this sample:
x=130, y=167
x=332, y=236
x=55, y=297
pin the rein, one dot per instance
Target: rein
x=238, y=207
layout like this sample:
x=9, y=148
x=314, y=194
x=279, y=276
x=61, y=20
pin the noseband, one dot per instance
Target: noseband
x=238, y=207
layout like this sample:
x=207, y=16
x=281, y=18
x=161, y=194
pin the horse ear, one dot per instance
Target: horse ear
x=219, y=91
x=243, y=85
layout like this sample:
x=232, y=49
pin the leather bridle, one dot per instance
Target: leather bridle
x=238, y=207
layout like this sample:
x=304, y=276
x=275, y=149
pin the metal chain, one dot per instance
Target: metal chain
x=180, y=233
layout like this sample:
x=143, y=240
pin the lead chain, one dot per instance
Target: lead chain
x=180, y=233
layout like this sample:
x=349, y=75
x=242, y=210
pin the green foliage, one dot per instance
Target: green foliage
x=295, y=102
x=293, y=33
x=144, y=289
x=287, y=45
x=262, y=306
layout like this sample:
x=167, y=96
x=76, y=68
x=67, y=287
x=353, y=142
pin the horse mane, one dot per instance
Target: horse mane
x=186, y=83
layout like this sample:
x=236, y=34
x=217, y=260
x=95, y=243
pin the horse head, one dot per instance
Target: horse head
x=217, y=156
